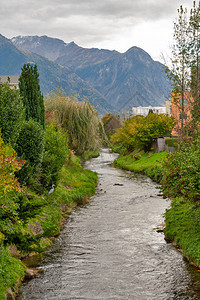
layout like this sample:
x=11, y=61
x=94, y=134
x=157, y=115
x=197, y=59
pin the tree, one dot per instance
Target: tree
x=180, y=72
x=78, y=119
x=31, y=94
x=11, y=113
x=194, y=48
x=30, y=146
x=138, y=132
x=185, y=61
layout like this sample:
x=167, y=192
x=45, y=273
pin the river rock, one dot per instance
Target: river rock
x=32, y=273
x=36, y=228
x=10, y=295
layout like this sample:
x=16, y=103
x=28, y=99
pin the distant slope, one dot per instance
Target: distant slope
x=125, y=79
x=52, y=75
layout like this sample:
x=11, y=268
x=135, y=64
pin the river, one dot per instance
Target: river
x=110, y=250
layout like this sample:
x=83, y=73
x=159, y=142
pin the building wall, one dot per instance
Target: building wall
x=169, y=107
x=14, y=80
x=144, y=110
x=177, y=111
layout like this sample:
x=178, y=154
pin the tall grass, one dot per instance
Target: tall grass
x=78, y=118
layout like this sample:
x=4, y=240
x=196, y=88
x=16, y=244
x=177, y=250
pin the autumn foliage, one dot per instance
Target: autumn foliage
x=8, y=166
x=137, y=132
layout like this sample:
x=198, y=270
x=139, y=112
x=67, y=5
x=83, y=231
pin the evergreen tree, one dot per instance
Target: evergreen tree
x=11, y=113
x=31, y=94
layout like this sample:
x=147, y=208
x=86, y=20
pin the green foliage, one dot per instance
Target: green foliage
x=30, y=146
x=11, y=270
x=110, y=123
x=78, y=118
x=172, y=142
x=181, y=175
x=31, y=94
x=149, y=163
x=137, y=132
x=183, y=227
x=55, y=155
x=11, y=113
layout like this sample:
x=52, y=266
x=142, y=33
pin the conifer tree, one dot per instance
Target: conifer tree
x=31, y=94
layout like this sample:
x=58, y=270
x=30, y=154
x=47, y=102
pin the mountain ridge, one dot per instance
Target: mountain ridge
x=52, y=76
x=132, y=77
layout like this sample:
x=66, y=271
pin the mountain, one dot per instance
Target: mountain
x=125, y=79
x=52, y=75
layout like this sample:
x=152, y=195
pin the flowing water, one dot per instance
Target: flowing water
x=110, y=249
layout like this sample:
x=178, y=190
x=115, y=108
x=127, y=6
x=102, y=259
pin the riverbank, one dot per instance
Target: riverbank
x=43, y=219
x=183, y=218
x=149, y=163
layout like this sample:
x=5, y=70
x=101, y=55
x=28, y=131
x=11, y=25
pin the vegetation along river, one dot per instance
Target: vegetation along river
x=110, y=249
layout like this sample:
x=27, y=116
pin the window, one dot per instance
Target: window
x=184, y=102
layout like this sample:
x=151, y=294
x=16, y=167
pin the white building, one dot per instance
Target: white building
x=144, y=110
x=13, y=80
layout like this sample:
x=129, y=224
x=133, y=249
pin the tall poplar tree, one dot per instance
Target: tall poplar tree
x=180, y=60
x=31, y=95
x=194, y=51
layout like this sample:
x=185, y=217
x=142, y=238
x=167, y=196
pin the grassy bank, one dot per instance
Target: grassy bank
x=43, y=218
x=149, y=163
x=183, y=218
x=183, y=227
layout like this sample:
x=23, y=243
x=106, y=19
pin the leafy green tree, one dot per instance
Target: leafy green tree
x=31, y=94
x=138, y=132
x=78, y=119
x=11, y=113
x=30, y=146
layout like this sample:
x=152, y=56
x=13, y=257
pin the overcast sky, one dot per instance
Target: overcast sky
x=109, y=24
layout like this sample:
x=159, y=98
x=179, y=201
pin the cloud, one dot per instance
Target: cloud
x=86, y=21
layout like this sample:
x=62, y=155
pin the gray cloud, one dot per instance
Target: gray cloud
x=84, y=21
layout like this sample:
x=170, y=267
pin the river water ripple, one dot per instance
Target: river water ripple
x=110, y=250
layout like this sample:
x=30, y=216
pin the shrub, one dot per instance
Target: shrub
x=182, y=172
x=171, y=142
x=30, y=146
x=55, y=155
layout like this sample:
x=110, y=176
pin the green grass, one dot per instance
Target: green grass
x=183, y=227
x=183, y=217
x=89, y=154
x=10, y=270
x=149, y=163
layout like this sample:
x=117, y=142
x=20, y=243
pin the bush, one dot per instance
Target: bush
x=182, y=172
x=55, y=155
x=172, y=142
x=30, y=146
